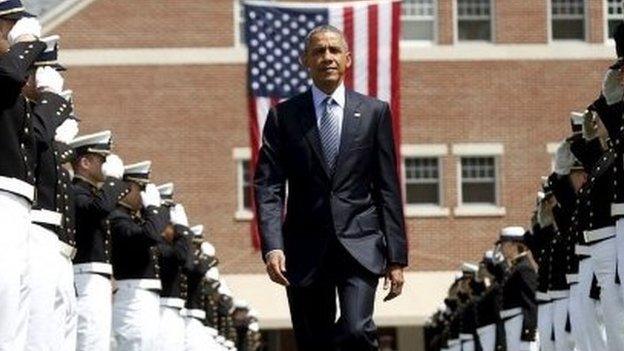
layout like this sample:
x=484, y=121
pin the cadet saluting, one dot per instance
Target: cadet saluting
x=97, y=188
x=137, y=226
x=19, y=33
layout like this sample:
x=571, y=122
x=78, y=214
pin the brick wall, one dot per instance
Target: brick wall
x=150, y=23
x=520, y=21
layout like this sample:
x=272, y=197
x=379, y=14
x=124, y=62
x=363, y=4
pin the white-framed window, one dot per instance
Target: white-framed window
x=478, y=179
x=418, y=20
x=615, y=15
x=567, y=19
x=474, y=20
x=422, y=180
x=244, y=183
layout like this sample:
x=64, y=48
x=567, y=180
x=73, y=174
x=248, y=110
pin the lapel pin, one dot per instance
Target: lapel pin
x=357, y=114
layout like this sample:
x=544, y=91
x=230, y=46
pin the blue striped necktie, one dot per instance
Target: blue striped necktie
x=328, y=128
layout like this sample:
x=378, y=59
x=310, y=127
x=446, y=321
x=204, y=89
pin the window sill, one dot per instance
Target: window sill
x=243, y=216
x=416, y=43
x=424, y=211
x=479, y=211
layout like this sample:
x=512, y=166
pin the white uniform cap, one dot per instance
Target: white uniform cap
x=213, y=274
x=489, y=254
x=224, y=289
x=242, y=304
x=514, y=233
x=138, y=172
x=166, y=191
x=469, y=267
x=577, y=117
x=254, y=327
x=99, y=143
x=198, y=230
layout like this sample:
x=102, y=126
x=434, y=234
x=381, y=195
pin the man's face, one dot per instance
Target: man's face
x=509, y=250
x=5, y=28
x=133, y=199
x=578, y=179
x=90, y=167
x=29, y=89
x=327, y=59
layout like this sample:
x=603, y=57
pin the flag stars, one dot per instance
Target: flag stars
x=276, y=39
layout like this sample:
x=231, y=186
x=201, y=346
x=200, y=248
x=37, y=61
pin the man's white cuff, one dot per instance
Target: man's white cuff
x=266, y=257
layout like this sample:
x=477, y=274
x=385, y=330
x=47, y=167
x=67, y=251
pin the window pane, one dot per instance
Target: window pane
x=478, y=179
x=478, y=168
x=421, y=169
x=570, y=8
x=614, y=8
x=612, y=25
x=474, y=30
x=422, y=180
x=473, y=8
x=479, y=193
x=422, y=194
x=568, y=29
x=417, y=8
x=417, y=30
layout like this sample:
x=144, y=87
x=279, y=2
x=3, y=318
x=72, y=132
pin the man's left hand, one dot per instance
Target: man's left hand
x=393, y=281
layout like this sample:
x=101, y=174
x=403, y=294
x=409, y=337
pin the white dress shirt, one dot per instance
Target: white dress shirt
x=339, y=96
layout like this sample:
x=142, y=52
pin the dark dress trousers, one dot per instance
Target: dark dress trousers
x=341, y=227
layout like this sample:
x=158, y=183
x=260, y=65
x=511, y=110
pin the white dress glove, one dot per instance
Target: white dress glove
x=612, y=86
x=27, y=26
x=177, y=215
x=208, y=249
x=564, y=159
x=113, y=167
x=150, y=196
x=67, y=131
x=213, y=274
x=48, y=79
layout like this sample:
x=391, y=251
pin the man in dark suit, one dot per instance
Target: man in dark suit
x=343, y=226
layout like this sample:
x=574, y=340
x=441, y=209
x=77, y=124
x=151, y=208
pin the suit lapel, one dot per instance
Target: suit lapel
x=310, y=130
x=350, y=128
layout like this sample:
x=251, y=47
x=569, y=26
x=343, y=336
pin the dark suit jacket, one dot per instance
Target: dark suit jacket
x=360, y=203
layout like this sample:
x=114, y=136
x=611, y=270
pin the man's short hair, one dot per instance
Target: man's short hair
x=321, y=29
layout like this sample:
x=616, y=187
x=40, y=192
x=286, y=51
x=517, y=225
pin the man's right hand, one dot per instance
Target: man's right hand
x=276, y=267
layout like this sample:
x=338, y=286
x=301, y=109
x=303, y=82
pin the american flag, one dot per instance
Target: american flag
x=275, y=34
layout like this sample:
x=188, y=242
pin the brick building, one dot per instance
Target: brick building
x=487, y=87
